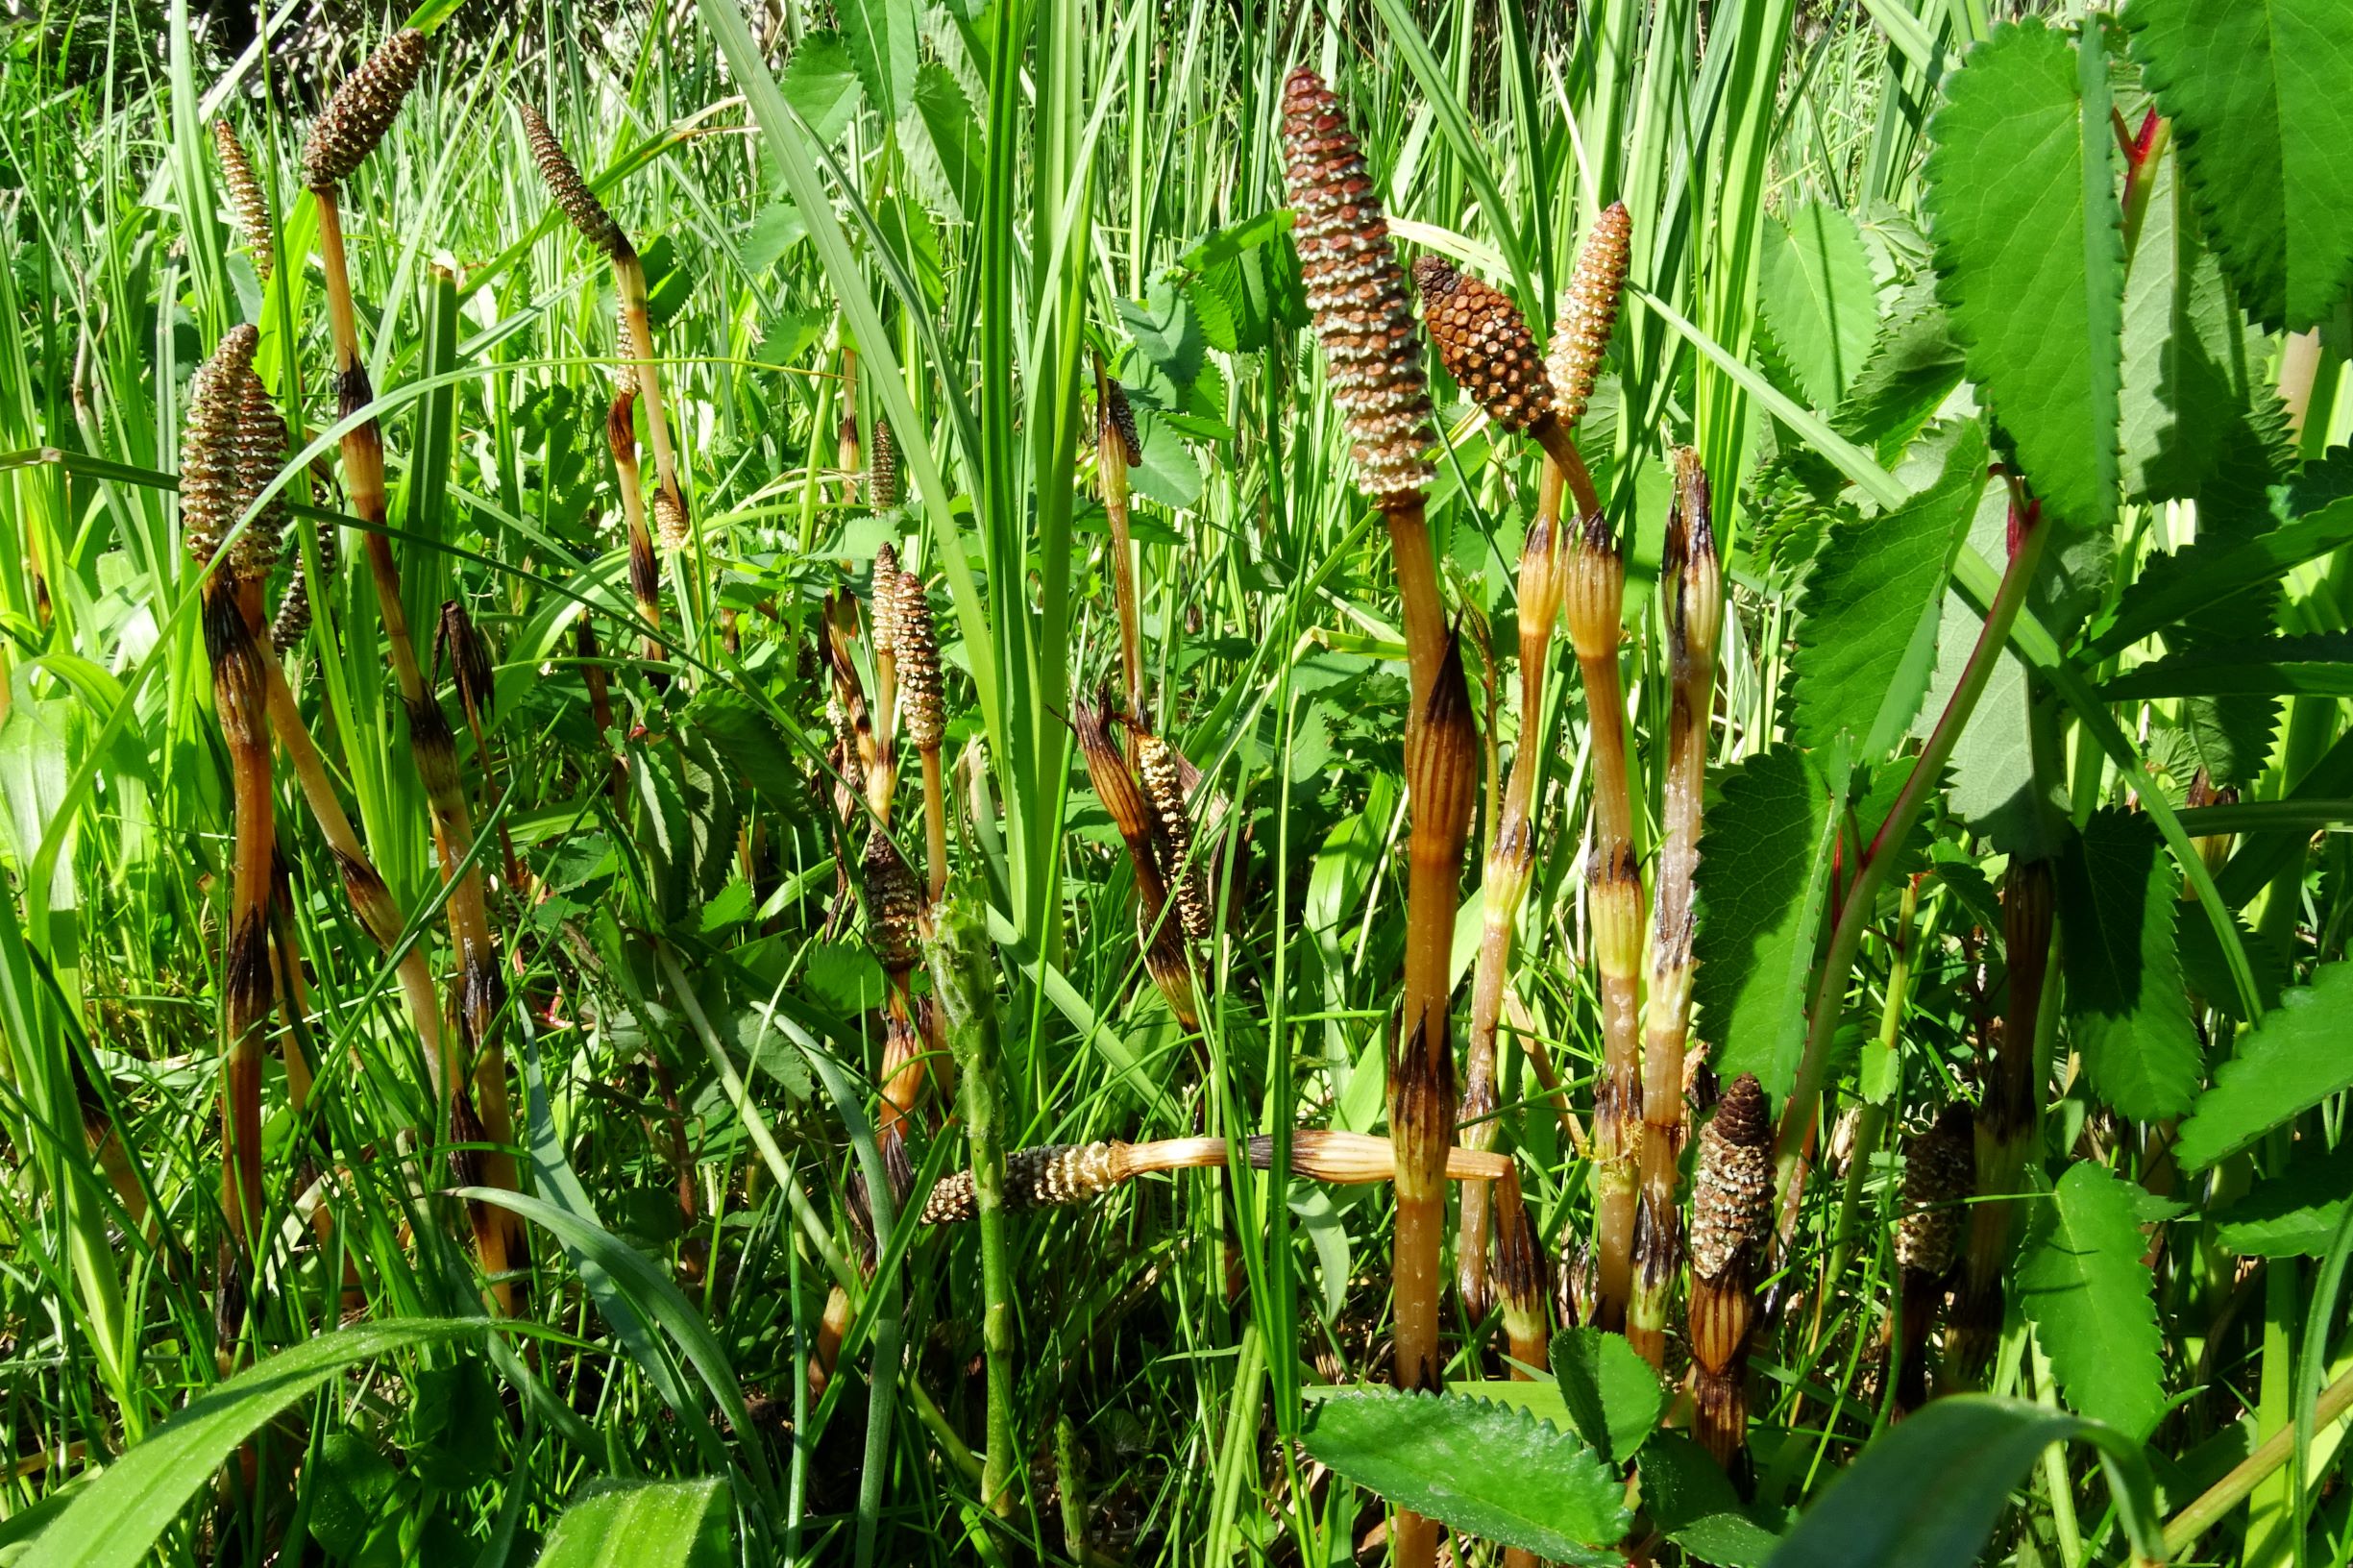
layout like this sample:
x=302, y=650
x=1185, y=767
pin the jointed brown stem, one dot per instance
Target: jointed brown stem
x=1596, y=592
x=238, y=688
x=644, y=570
x=1510, y=859
x=481, y=988
x=1116, y=449
x=669, y=501
x=1442, y=771
x=217, y=494
x=1691, y=590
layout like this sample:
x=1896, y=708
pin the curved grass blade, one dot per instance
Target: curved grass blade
x=115, y=1520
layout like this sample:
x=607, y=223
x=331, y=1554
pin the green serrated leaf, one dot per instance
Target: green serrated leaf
x=2294, y=1215
x=1867, y=635
x=661, y=1524
x=1912, y=369
x=2029, y=254
x=756, y=750
x=2317, y=664
x=2082, y=1283
x=1928, y=1494
x=881, y=37
x=1170, y=473
x=1614, y=1395
x=2207, y=972
x=2261, y=96
x=351, y=1490
x=2291, y=1062
x=1689, y=1498
x=844, y=977
x=821, y=81
x=2192, y=374
x=1166, y=331
x=2216, y=571
x=943, y=143
x=1215, y=300
x=2121, y=897
x=1487, y=1470
x=1764, y=873
x=1815, y=291
x=775, y=229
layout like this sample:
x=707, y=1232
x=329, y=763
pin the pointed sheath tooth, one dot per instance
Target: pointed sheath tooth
x=893, y=902
x=246, y=203
x=361, y=111
x=1442, y=776
x=1940, y=1172
x=1720, y=1416
x=469, y=657
x=1356, y=292
x=1690, y=565
x=1483, y=342
x=1594, y=595
x=208, y=443
x=260, y=445
x=1422, y=1096
x=918, y=666
x=571, y=194
x=1046, y=1176
x=1543, y=582
x=1732, y=1196
x=1118, y=423
x=1582, y=336
x=882, y=467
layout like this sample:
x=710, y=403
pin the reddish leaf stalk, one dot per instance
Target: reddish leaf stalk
x=1800, y=1111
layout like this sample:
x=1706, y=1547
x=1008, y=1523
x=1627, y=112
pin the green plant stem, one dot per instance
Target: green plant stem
x=2208, y=1510
x=1871, y=1124
x=1800, y=1112
x=964, y=981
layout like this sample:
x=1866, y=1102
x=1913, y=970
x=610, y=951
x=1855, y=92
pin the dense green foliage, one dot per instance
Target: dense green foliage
x=2013, y=350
